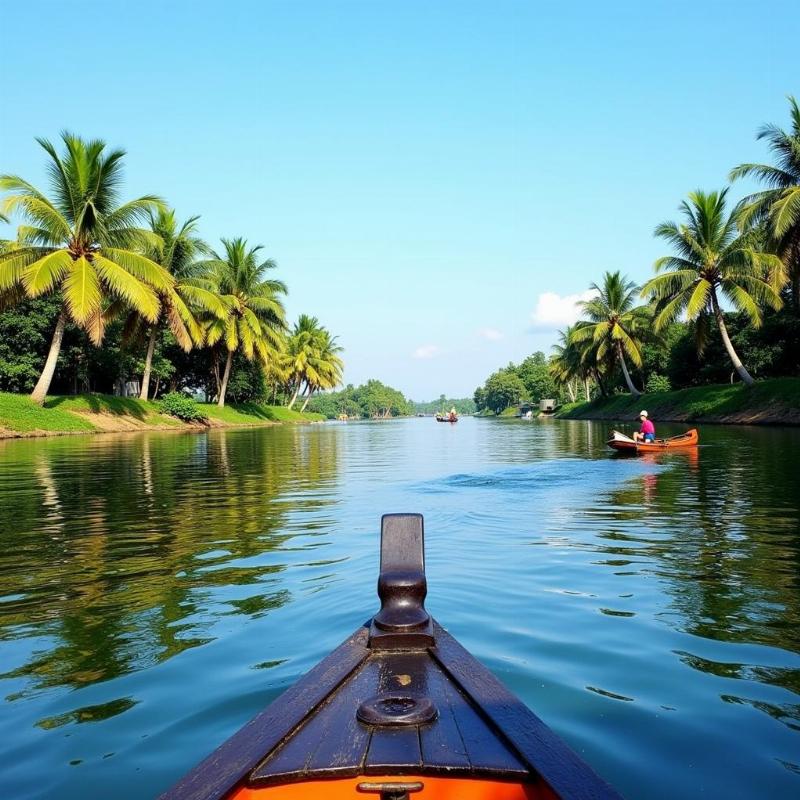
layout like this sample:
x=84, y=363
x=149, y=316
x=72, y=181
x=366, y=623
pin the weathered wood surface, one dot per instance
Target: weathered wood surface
x=333, y=743
x=541, y=749
x=233, y=760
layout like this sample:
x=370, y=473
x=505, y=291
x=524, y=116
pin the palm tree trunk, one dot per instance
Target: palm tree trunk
x=631, y=388
x=148, y=365
x=571, y=390
x=39, y=393
x=224, y=386
x=586, y=389
x=294, y=396
x=310, y=392
x=726, y=340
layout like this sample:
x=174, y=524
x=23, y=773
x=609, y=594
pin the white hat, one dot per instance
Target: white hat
x=642, y=413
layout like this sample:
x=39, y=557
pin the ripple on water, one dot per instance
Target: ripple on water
x=647, y=609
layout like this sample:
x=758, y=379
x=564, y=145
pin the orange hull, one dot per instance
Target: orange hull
x=433, y=787
x=626, y=445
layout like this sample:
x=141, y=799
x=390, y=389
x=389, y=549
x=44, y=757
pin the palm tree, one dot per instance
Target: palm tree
x=712, y=256
x=328, y=364
x=81, y=242
x=254, y=322
x=778, y=207
x=567, y=365
x=176, y=249
x=299, y=360
x=615, y=325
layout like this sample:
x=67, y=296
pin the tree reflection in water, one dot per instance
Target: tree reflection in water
x=112, y=550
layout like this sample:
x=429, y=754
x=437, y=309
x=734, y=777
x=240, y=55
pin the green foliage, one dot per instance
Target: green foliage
x=179, y=405
x=370, y=400
x=464, y=405
x=25, y=332
x=503, y=389
x=535, y=374
x=657, y=383
x=773, y=400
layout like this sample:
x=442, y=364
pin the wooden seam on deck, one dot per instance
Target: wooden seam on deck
x=233, y=760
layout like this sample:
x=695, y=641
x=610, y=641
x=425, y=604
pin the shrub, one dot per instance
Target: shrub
x=657, y=383
x=183, y=407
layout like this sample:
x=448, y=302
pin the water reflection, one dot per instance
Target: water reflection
x=114, y=548
x=639, y=605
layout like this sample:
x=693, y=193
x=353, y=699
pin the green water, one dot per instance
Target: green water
x=157, y=590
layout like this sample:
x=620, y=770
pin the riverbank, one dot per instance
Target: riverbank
x=769, y=402
x=97, y=413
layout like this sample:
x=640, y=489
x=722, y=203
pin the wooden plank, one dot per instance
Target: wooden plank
x=393, y=750
x=539, y=747
x=441, y=744
x=330, y=743
x=229, y=764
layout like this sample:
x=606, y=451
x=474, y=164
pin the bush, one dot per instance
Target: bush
x=658, y=383
x=179, y=405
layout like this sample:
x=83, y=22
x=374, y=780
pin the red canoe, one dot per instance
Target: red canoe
x=622, y=443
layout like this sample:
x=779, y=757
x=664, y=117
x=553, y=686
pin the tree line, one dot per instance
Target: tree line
x=88, y=270
x=372, y=400
x=724, y=302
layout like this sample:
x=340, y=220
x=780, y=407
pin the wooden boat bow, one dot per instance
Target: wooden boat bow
x=399, y=708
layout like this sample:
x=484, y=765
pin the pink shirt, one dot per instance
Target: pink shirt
x=648, y=427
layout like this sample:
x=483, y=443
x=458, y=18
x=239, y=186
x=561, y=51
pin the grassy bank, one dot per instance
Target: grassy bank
x=96, y=413
x=770, y=402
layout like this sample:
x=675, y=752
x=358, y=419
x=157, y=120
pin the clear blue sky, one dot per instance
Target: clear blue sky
x=422, y=172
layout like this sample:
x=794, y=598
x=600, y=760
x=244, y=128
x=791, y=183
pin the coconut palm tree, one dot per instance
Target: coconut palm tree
x=81, y=242
x=615, y=324
x=568, y=365
x=176, y=249
x=778, y=206
x=255, y=319
x=300, y=358
x=329, y=365
x=713, y=256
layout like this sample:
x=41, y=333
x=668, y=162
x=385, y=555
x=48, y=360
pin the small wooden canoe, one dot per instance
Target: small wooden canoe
x=624, y=444
x=399, y=709
x=440, y=418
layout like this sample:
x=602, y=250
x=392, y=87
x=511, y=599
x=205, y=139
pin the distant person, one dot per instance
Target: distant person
x=647, y=433
x=453, y=413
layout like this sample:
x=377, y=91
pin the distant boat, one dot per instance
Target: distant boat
x=446, y=418
x=624, y=444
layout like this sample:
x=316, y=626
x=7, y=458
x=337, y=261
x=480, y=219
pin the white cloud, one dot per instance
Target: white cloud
x=427, y=351
x=554, y=311
x=492, y=334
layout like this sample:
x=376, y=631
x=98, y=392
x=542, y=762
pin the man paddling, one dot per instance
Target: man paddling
x=647, y=433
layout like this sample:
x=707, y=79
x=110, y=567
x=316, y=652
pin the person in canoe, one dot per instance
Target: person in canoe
x=647, y=433
x=452, y=414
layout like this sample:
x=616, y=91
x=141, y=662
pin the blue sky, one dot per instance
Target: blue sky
x=432, y=178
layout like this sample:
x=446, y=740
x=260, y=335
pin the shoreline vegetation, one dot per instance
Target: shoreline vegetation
x=22, y=418
x=767, y=402
x=723, y=305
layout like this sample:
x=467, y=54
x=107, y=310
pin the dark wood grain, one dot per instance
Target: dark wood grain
x=393, y=750
x=441, y=744
x=330, y=743
x=540, y=748
x=486, y=750
x=231, y=762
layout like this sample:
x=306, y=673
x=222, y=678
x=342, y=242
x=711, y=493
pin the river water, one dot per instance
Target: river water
x=157, y=590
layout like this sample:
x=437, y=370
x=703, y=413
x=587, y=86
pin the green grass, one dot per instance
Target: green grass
x=18, y=413
x=252, y=414
x=776, y=400
x=143, y=410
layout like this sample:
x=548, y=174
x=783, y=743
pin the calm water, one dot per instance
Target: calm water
x=156, y=590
